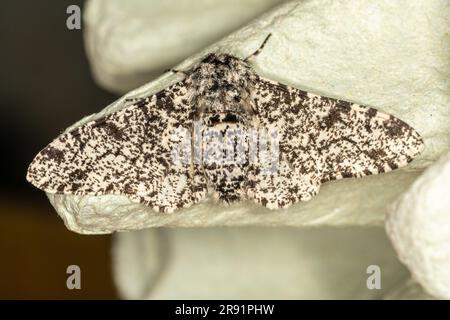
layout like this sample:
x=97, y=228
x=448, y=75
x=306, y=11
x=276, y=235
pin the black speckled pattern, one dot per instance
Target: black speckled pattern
x=227, y=117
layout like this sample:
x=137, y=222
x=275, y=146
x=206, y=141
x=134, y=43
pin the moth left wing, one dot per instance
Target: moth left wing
x=326, y=139
x=128, y=152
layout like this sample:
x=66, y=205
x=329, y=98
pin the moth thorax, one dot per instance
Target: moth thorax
x=224, y=140
x=225, y=106
x=224, y=131
x=225, y=117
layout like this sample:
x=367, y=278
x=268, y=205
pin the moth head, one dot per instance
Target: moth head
x=222, y=84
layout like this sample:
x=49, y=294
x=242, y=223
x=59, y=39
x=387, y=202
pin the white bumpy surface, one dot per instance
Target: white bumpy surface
x=134, y=41
x=419, y=227
x=254, y=263
x=392, y=55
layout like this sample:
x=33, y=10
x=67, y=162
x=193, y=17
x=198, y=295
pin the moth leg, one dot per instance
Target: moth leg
x=176, y=71
x=138, y=100
x=258, y=51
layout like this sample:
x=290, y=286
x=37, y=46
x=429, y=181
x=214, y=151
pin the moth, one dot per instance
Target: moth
x=224, y=131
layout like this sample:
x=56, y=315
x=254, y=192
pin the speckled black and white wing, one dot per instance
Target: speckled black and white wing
x=129, y=152
x=323, y=139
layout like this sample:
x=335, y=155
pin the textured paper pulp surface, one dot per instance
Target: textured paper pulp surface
x=390, y=55
x=254, y=263
x=418, y=225
x=134, y=41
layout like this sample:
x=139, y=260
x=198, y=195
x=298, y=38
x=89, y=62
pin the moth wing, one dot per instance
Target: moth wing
x=285, y=168
x=288, y=186
x=360, y=141
x=128, y=152
x=332, y=138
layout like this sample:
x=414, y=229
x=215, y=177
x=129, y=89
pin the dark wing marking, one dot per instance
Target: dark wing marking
x=225, y=148
x=288, y=186
x=324, y=139
x=128, y=152
x=286, y=169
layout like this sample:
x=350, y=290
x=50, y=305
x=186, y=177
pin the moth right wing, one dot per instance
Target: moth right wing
x=324, y=139
x=291, y=168
x=128, y=152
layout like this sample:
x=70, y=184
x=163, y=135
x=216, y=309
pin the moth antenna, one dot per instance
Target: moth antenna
x=258, y=51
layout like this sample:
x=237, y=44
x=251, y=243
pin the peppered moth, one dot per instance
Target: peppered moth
x=224, y=131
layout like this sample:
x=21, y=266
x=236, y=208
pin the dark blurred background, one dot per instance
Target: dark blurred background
x=45, y=86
